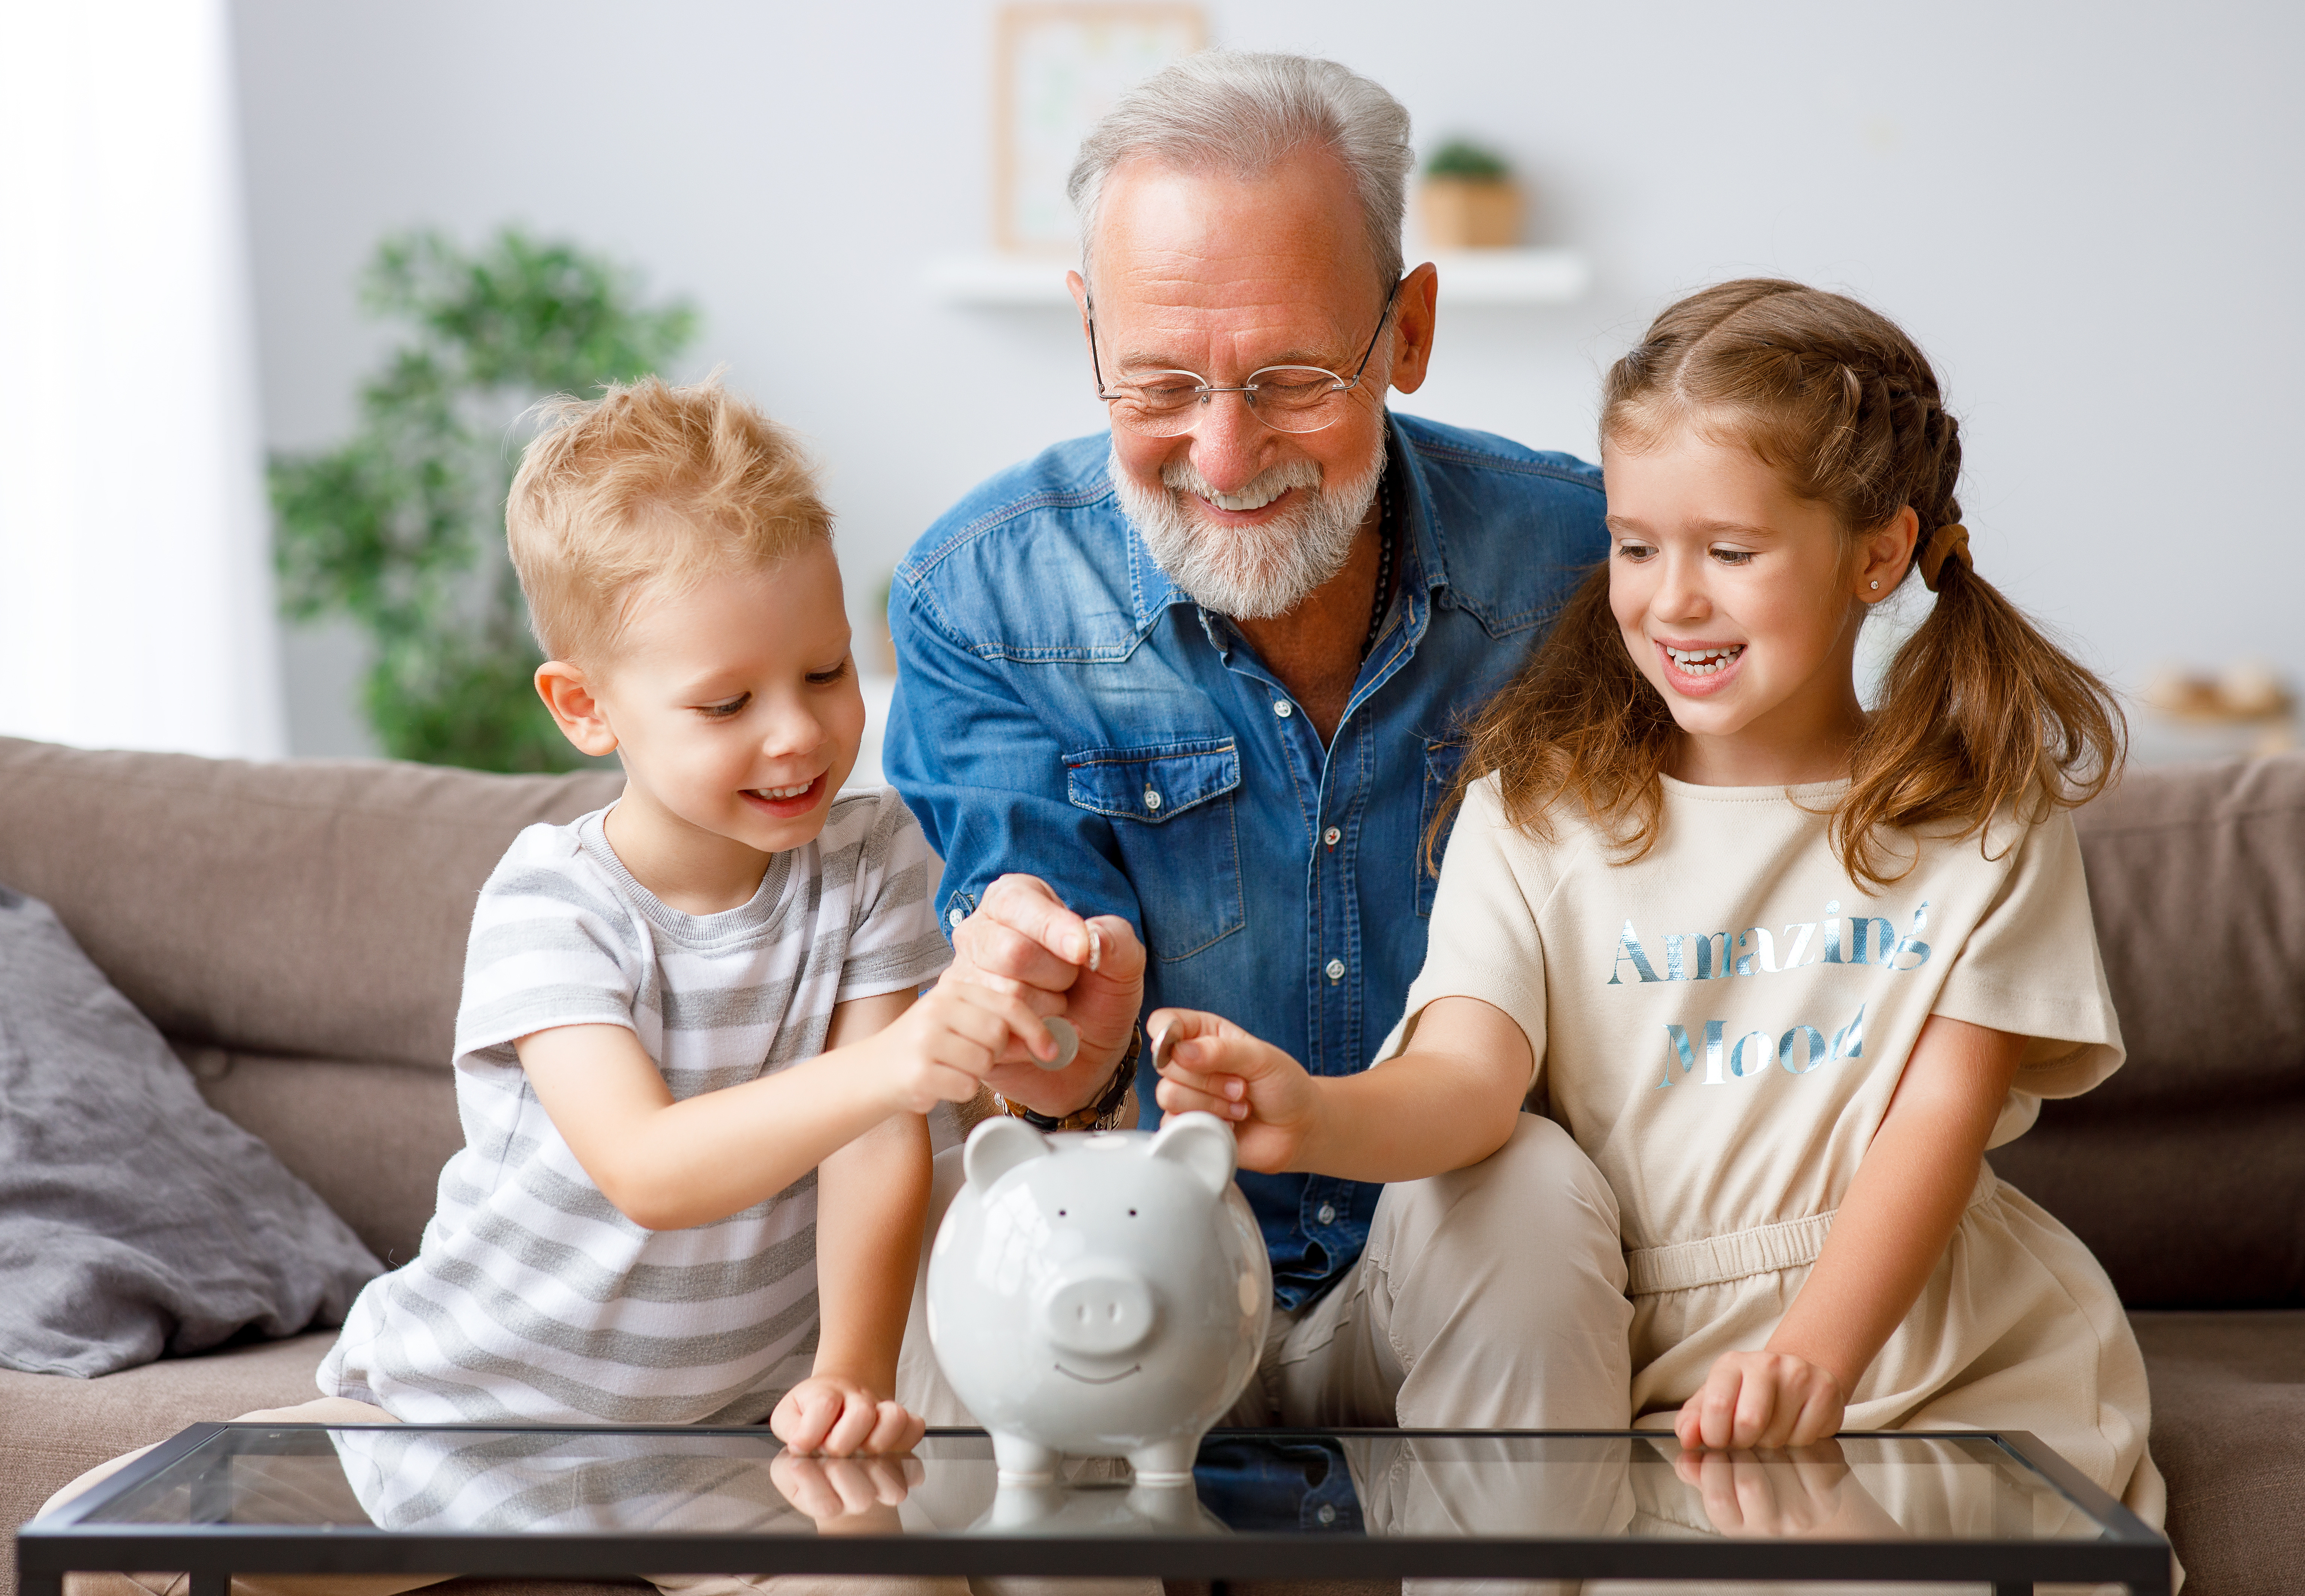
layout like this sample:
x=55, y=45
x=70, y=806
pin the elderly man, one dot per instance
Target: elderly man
x=1178, y=706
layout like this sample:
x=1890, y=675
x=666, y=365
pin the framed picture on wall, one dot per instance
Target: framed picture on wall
x=1057, y=70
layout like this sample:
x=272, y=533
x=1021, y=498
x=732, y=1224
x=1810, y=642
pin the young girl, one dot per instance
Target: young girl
x=1785, y=968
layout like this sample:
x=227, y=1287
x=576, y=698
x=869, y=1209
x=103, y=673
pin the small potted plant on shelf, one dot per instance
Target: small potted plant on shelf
x=1469, y=200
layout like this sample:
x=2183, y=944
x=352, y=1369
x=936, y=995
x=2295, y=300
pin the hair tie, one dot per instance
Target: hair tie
x=1948, y=542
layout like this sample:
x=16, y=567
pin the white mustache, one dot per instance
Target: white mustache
x=1260, y=490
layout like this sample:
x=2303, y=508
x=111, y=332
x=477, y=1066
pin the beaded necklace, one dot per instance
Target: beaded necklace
x=1382, y=602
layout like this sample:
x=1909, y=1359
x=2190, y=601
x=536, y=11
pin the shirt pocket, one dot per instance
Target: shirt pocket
x=1441, y=763
x=1171, y=809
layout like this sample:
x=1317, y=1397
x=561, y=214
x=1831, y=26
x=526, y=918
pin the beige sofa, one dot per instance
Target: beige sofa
x=297, y=931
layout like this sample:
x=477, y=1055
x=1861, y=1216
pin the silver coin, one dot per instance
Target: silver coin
x=1067, y=1043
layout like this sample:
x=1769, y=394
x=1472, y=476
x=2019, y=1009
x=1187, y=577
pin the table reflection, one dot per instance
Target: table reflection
x=420, y=1480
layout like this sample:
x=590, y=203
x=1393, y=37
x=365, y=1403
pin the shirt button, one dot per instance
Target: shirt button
x=1281, y=707
x=1336, y=970
x=1328, y=1214
x=1326, y=1512
x=1333, y=837
x=1151, y=799
x=957, y=916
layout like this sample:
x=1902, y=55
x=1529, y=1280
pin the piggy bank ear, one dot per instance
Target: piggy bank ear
x=1203, y=1143
x=998, y=1146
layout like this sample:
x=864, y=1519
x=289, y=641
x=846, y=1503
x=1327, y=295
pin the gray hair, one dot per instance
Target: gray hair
x=1241, y=112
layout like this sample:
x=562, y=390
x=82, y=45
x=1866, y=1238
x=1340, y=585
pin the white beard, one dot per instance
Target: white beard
x=1251, y=573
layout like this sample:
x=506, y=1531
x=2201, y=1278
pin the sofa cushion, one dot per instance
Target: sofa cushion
x=312, y=909
x=2229, y=1435
x=2197, y=875
x=2185, y=1172
x=370, y=1138
x=134, y=1218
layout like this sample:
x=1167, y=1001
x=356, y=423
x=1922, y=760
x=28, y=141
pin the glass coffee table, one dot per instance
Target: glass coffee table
x=219, y=1499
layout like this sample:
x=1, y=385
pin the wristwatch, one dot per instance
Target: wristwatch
x=1104, y=1113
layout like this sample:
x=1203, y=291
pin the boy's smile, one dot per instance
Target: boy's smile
x=735, y=710
x=1741, y=603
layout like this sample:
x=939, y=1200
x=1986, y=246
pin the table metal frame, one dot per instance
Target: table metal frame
x=2129, y=1553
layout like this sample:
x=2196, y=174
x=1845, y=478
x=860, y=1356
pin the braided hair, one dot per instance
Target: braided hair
x=1979, y=715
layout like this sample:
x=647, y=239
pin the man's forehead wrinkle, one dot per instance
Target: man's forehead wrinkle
x=1159, y=319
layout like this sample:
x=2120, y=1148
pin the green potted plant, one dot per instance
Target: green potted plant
x=1468, y=200
x=401, y=528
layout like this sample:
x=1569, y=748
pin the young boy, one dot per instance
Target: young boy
x=690, y=1064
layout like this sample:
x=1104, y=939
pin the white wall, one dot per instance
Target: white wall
x=2088, y=215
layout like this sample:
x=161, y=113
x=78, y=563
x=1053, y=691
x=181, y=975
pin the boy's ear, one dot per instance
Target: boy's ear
x=566, y=692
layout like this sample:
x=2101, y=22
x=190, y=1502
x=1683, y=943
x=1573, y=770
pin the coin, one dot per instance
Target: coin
x=1067, y=1043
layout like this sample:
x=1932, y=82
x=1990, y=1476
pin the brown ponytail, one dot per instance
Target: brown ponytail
x=1980, y=714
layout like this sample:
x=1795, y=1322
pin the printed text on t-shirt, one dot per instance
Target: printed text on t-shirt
x=1716, y=955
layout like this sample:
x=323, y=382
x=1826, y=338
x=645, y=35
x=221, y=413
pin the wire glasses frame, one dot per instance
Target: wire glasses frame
x=1286, y=396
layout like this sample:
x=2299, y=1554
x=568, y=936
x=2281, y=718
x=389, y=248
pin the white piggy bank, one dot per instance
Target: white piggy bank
x=1100, y=1295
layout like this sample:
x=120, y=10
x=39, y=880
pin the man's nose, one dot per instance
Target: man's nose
x=1229, y=445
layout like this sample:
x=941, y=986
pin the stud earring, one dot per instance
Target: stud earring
x=1877, y=584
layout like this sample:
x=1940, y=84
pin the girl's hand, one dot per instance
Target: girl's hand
x=834, y=1416
x=1272, y=1104
x=946, y=1043
x=1762, y=1399
x=1775, y=1496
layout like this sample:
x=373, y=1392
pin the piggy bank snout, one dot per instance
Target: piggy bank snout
x=1100, y=1310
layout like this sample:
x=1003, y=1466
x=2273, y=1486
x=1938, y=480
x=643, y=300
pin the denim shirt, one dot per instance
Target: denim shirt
x=1063, y=709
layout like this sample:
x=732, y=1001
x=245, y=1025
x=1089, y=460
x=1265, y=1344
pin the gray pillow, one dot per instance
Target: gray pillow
x=134, y=1219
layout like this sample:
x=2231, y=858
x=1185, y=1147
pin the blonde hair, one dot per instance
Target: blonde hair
x=1980, y=715
x=646, y=486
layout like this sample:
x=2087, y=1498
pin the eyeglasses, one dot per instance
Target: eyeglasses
x=1285, y=398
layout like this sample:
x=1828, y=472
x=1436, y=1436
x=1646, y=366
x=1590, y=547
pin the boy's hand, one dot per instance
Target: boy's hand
x=1272, y=1104
x=846, y=1495
x=946, y=1043
x=834, y=1416
x=1762, y=1399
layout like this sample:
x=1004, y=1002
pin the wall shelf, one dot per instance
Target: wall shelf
x=994, y=280
x=1487, y=277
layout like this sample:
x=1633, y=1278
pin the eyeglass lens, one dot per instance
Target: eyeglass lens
x=1285, y=398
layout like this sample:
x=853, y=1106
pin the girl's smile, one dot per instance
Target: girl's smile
x=1698, y=670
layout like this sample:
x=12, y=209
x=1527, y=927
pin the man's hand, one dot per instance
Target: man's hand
x=1762, y=1399
x=1271, y=1103
x=1023, y=941
x=836, y=1417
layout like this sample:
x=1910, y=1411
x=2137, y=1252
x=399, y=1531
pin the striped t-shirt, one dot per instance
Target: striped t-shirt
x=532, y=1298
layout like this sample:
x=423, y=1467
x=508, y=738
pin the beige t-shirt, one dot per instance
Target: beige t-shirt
x=1721, y=1024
